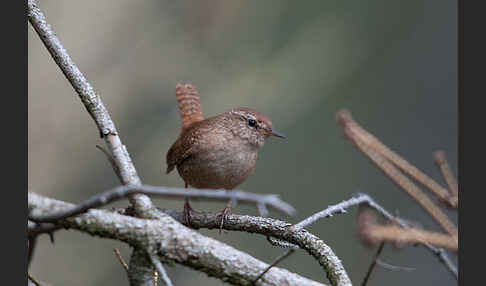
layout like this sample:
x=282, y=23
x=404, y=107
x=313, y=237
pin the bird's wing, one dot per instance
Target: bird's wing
x=180, y=150
x=186, y=145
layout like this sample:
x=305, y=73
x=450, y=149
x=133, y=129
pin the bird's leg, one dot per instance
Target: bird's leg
x=224, y=214
x=188, y=212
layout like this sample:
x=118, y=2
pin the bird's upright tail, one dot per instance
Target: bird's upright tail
x=189, y=105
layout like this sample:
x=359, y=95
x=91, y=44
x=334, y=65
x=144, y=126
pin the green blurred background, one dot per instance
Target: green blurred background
x=391, y=63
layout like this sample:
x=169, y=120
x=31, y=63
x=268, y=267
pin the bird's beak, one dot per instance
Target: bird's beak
x=275, y=133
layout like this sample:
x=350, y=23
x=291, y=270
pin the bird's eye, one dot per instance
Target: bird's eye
x=252, y=122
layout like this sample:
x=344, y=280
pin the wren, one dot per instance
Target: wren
x=218, y=152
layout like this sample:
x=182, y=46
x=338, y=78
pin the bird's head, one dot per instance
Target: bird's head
x=251, y=126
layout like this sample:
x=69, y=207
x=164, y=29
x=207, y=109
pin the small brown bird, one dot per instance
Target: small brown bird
x=219, y=152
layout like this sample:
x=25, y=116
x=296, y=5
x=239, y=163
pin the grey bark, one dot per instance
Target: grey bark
x=172, y=241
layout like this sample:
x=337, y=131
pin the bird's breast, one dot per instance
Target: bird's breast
x=223, y=166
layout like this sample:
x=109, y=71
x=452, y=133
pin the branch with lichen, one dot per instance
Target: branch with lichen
x=170, y=240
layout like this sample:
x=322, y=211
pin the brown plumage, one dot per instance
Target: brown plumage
x=218, y=152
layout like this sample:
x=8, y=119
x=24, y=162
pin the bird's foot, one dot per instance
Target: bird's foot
x=187, y=217
x=224, y=217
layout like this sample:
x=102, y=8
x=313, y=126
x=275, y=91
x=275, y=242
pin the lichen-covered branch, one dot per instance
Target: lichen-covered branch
x=173, y=241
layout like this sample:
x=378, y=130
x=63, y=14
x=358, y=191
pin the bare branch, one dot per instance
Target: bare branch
x=141, y=269
x=340, y=208
x=34, y=230
x=120, y=192
x=272, y=228
x=93, y=103
x=328, y=212
x=185, y=246
x=120, y=258
x=160, y=270
x=275, y=262
x=373, y=263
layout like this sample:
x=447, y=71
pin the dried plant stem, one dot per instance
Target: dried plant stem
x=120, y=258
x=344, y=117
x=399, y=235
x=446, y=172
x=406, y=184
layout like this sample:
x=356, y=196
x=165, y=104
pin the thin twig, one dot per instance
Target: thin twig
x=373, y=264
x=36, y=283
x=35, y=229
x=275, y=262
x=388, y=266
x=160, y=270
x=120, y=192
x=120, y=258
x=440, y=160
x=31, y=243
x=341, y=208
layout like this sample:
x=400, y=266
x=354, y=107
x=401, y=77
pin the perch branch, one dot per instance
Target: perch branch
x=187, y=247
x=117, y=193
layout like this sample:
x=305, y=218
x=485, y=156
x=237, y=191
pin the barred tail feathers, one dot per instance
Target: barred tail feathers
x=189, y=105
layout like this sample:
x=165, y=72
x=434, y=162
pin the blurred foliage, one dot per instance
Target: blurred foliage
x=391, y=63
